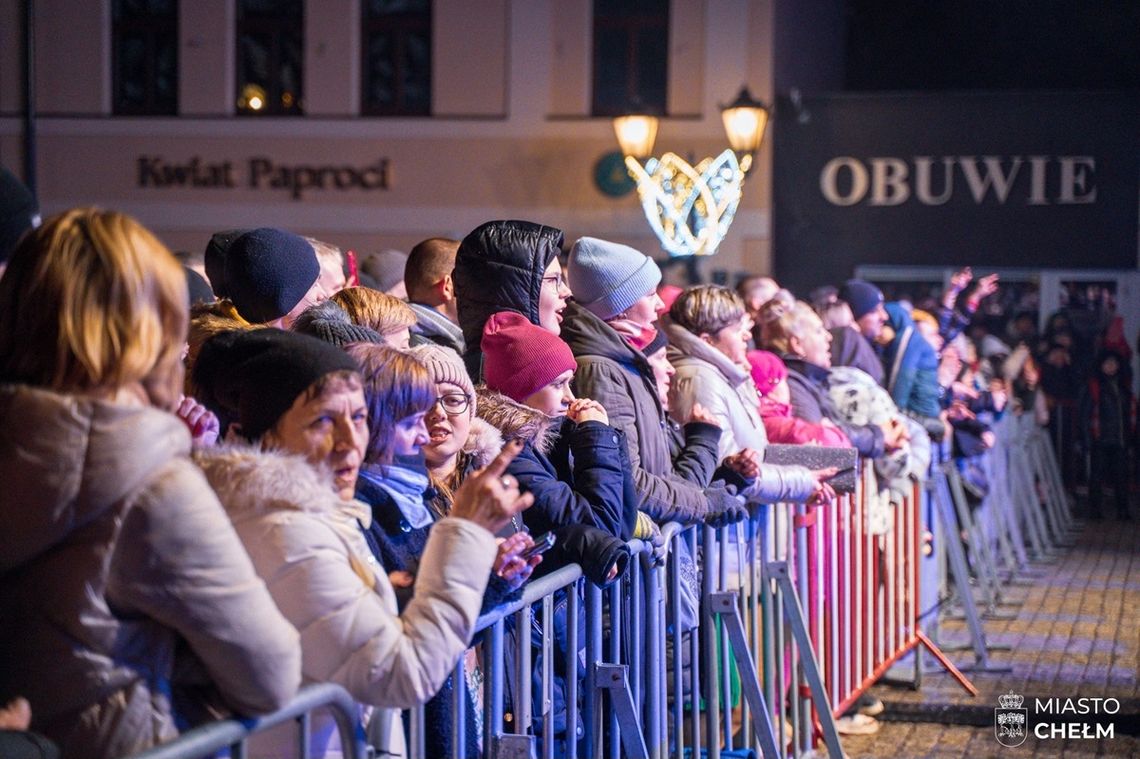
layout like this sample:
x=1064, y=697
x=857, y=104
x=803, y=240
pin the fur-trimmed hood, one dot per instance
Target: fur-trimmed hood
x=514, y=420
x=686, y=348
x=484, y=442
x=250, y=481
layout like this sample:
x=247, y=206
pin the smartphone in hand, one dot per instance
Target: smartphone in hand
x=542, y=544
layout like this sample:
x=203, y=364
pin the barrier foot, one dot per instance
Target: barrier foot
x=724, y=605
x=510, y=746
x=615, y=679
x=945, y=662
x=794, y=613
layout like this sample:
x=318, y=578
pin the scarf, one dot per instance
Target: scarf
x=636, y=335
x=407, y=488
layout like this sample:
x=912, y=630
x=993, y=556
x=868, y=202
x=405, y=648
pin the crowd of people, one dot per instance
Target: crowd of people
x=288, y=466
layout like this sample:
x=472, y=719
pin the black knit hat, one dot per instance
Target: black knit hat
x=216, y=250
x=253, y=377
x=199, y=288
x=328, y=321
x=19, y=212
x=267, y=272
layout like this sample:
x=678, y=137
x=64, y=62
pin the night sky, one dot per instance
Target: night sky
x=940, y=45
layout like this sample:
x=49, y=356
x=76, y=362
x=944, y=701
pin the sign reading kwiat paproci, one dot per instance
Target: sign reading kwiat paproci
x=259, y=173
x=992, y=179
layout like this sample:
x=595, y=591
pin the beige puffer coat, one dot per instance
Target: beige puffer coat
x=306, y=543
x=112, y=549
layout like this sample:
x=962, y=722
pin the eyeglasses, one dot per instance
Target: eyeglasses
x=454, y=404
x=556, y=281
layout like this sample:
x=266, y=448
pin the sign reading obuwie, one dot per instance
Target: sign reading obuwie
x=993, y=179
x=258, y=173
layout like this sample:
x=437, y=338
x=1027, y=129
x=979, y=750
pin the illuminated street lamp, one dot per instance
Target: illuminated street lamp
x=690, y=208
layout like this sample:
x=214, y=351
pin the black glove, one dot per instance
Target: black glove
x=724, y=505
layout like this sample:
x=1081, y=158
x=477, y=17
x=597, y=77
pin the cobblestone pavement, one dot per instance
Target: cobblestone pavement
x=1076, y=635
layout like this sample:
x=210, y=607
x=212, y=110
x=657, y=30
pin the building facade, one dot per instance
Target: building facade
x=511, y=130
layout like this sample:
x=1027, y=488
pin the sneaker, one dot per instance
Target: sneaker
x=869, y=705
x=857, y=724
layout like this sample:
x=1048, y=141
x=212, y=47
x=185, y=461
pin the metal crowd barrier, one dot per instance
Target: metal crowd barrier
x=1023, y=520
x=232, y=734
x=798, y=612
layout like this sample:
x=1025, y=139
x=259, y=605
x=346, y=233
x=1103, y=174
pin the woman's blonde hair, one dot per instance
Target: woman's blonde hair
x=707, y=309
x=781, y=324
x=92, y=301
x=372, y=308
x=396, y=386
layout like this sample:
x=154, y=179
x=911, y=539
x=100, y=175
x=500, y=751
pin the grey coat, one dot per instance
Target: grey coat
x=116, y=555
x=618, y=376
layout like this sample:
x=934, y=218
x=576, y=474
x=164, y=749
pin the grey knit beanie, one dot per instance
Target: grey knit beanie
x=608, y=277
x=329, y=322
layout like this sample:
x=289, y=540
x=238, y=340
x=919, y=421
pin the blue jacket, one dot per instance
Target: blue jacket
x=912, y=377
x=578, y=473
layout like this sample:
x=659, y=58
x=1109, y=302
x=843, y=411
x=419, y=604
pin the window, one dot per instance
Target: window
x=396, y=51
x=145, y=57
x=270, y=51
x=631, y=51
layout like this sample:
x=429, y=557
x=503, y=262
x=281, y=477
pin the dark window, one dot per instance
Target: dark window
x=270, y=52
x=396, y=52
x=145, y=57
x=631, y=52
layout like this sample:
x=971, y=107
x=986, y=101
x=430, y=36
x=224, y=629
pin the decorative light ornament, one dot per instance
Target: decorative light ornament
x=691, y=208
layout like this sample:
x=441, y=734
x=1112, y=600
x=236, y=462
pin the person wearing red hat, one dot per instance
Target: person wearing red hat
x=575, y=464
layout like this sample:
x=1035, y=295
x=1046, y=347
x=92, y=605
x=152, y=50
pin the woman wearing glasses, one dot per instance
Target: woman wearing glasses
x=412, y=417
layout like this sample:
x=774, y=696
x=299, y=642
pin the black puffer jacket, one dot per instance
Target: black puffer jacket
x=499, y=267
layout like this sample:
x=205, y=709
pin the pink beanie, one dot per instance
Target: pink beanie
x=519, y=359
x=767, y=370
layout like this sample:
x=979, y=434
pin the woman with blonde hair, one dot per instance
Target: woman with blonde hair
x=115, y=552
x=798, y=336
x=386, y=314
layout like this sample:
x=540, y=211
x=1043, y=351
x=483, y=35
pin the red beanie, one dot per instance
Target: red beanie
x=519, y=359
x=767, y=370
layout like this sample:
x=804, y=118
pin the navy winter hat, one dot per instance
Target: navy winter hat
x=252, y=377
x=862, y=296
x=19, y=212
x=216, y=259
x=199, y=288
x=267, y=272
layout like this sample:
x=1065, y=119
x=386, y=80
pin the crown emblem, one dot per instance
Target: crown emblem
x=1011, y=701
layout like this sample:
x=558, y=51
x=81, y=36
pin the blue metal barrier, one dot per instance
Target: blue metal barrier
x=800, y=635
x=209, y=739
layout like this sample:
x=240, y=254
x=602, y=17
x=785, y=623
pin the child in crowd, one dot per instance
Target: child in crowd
x=395, y=484
x=574, y=464
x=459, y=442
x=771, y=378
